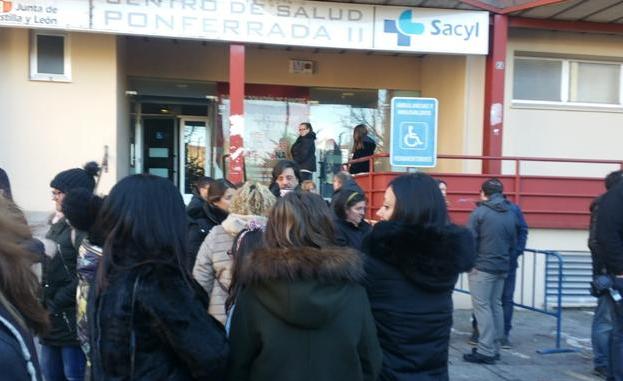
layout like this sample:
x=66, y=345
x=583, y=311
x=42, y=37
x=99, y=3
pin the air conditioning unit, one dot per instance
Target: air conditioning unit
x=302, y=67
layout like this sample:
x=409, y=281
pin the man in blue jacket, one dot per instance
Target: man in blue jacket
x=494, y=226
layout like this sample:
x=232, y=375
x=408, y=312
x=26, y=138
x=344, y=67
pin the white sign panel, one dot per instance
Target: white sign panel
x=431, y=30
x=298, y=23
x=301, y=23
x=280, y=22
x=47, y=14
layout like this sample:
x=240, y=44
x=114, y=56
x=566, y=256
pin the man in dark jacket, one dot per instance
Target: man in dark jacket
x=609, y=235
x=304, y=151
x=601, y=329
x=61, y=356
x=494, y=227
x=509, y=283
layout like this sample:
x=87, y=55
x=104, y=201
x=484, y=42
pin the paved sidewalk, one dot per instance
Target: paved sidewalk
x=531, y=331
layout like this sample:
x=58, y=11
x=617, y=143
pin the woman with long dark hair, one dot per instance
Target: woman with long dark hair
x=204, y=216
x=301, y=313
x=21, y=314
x=149, y=317
x=363, y=146
x=414, y=258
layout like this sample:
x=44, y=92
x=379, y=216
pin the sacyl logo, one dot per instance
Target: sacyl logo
x=404, y=27
x=6, y=6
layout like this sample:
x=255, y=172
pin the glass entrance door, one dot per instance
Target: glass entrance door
x=195, y=146
x=159, y=148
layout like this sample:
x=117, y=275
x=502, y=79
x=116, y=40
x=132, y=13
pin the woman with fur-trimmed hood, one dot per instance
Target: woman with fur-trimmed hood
x=248, y=209
x=302, y=314
x=413, y=261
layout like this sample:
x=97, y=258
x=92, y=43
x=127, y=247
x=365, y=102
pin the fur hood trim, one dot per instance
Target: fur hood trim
x=430, y=257
x=331, y=264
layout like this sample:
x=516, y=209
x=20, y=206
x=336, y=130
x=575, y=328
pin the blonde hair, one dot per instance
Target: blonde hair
x=308, y=185
x=252, y=199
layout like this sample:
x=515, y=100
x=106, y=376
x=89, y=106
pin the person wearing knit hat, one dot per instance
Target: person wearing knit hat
x=61, y=355
x=73, y=178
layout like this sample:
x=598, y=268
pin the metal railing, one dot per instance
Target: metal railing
x=530, y=273
x=548, y=201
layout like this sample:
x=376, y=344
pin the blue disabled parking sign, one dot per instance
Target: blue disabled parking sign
x=413, y=132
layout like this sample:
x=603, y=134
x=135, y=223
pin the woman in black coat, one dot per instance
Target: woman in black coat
x=304, y=151
x=203, y=216
x=349, y=208
x=148, y=320
x=413, y=261
x=363, y=146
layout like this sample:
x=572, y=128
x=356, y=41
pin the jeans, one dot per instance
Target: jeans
x=486, y=290
x=616, y=345
x=601, y=332
x=62, y=363
x=507, y=299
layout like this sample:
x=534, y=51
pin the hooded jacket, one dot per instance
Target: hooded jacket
x=150, y=324
x=202, y=217
x=302, y=316
x=213, y=266
x=411, y=272
x=368, y=150
x=495, y=227
x=304, y=151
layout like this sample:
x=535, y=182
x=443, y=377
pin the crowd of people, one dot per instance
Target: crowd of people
x=256, y=282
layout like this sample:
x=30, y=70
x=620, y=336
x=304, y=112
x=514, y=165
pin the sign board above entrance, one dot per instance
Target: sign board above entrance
x=47, y=14
x=321, y=24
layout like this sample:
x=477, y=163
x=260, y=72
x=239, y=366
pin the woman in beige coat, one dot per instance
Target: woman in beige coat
x=212, y=270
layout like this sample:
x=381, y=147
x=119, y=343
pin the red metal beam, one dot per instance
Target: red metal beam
x=514, y=8
x=494, y=94
x=567, y=26
x=236, y=113
x=530, y=5
x=481, y=5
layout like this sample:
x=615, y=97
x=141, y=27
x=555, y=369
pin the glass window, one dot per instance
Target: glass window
x=537, y=79
x=50, y=54
x=594, y=82
x=195, y=149
x=270, y=129
x=49, y=58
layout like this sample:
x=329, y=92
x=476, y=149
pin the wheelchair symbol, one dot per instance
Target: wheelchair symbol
x=411, y=139
x=413, y=136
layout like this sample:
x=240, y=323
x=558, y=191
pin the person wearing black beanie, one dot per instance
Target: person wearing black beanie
x=61, y=355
